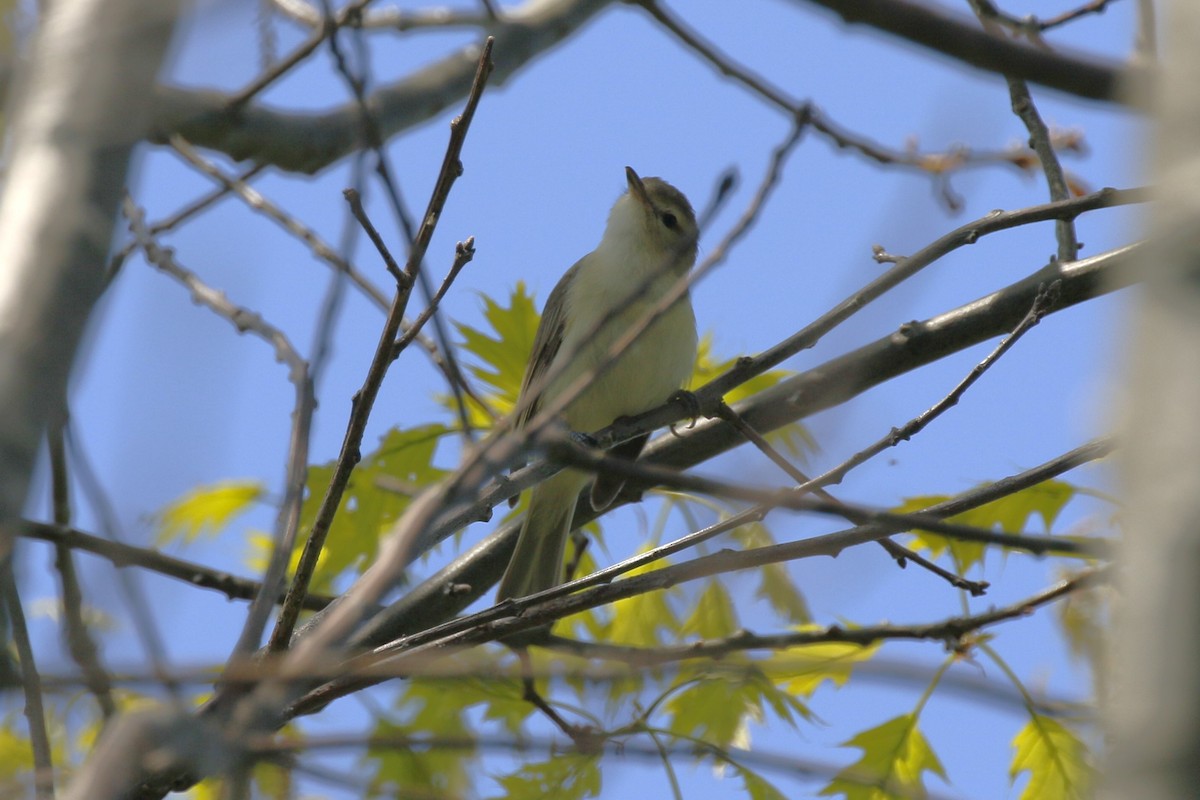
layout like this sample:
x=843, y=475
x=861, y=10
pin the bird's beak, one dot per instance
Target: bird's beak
x=637, y=189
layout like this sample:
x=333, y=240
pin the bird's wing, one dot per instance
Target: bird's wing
x=546, y=343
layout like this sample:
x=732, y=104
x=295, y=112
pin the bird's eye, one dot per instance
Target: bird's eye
x=669, y=220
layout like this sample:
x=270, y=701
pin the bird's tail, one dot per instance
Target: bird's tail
x=537, y=562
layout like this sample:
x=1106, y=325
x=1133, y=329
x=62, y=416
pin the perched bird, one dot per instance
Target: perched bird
x=648, y=245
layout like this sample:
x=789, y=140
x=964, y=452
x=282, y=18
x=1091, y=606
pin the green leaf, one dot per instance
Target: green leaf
x=436, y=706
x=417, y=771
x=801, y=670
x=793, y=438
x=403, y=463
x=716, y=705
x=1086, y=621
x=16, y=753
x=776, y=586
x=638, y=620
x=1009, y=514
x=565, y=776
x=273, y=781
x=713, y=708
x=206, y=509
x=497, y=355
x=895, y=757
x=757, y=787
x=1056, y=759
x=713, y=615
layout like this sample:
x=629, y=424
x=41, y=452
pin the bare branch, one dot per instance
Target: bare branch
x=35, y=712
x=125, y=555
x=364, y=399
x=395, y=18
x=937, y=166
x=253, y=198
x=399, y=622
x=455, y=587
x=85, y=102
x=1039, y=136
x=899, y=552
x=904, y=269
x=1042, y=304
x=79, y=641
x=287, y=521
x=463, y=253
x=301, y=142
x=245, y=320
x=955, y=632
x=1083, y=75
x=566, y=450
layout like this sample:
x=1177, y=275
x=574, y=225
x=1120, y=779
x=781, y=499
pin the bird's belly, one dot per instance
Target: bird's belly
x=644, y=375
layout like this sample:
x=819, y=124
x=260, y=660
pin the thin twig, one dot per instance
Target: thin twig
x=954, y=631
x=35, y=711
x=463, y=253
x=364, y=399
x=899, y=552
x=126, y=555
x=1042, y=304
x=255, y=199
x=1039, y=140
x=937, y=166
x=182, y=215
x=598, y=589
x=906, y=268
x=1092, y=7
x=1039, y=137
x=828, y=544
x=444, y=358
x=287, y=63
x=354, y=199
x=571, y=453
x=79, y=641
x=243, y=319
x=287, y=521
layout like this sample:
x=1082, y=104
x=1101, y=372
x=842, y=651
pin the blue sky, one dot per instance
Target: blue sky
x=169, y=397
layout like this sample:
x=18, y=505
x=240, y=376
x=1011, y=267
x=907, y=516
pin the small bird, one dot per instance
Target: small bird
x=651, y=236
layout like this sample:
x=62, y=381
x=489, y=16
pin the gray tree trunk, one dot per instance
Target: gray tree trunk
x=78, y=115
x=1154, y=713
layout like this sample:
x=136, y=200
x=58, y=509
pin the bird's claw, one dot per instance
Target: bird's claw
x=691, y=405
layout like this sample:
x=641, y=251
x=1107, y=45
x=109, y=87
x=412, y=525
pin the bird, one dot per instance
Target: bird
x=649, y=243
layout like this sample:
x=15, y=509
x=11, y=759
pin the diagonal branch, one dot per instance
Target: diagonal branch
x=455, y=587
x=287, y=521
x=952, y=631
x=303, y=142
x=127, y=555
x=956, y=36
x=364, y=399
x=423, y=640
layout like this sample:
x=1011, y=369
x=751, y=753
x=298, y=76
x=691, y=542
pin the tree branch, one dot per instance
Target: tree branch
x=126, y=555
x=85, y=103
x=365, y=397
x=956, y=36
x=952, y=631
x=455, y=587
x=307, y=143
